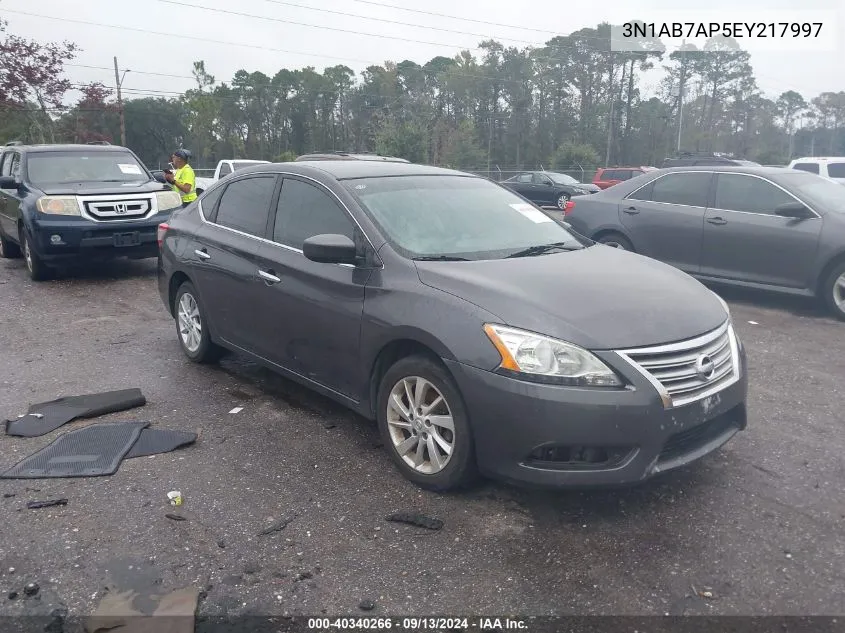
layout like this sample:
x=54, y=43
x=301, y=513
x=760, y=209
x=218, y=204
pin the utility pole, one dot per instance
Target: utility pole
x=118, y=82
x=681, y=86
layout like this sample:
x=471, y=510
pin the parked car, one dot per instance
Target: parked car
x=764, y=227
x=547, y=188
x=608, y=176
x=349, y=156
x=690, y=159
x=225, y=168
x=432, y=301
x=65, y=203
x=832, y=167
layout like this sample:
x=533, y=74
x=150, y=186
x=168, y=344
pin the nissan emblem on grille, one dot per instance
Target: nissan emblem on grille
x=705, y=367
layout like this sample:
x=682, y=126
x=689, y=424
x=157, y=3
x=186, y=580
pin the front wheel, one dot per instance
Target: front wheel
x=192, y=327
x=424, y=425
x=616, y=240
x=562, y=199
x=833, y=290
x=35, y=266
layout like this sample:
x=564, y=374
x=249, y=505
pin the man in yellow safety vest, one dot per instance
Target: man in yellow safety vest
x=183, y=180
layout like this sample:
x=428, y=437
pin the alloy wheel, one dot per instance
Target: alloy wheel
x=190, y=323
x=561, y=202
x=839, y=292
x=27, y=254
x=420, y=425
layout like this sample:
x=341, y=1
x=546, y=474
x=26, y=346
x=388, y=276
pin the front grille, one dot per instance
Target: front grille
x=692, y=439
x=690, y=370
x=117, y=209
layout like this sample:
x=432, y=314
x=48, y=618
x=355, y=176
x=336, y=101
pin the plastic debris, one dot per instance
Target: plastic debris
x=416, y=519
x=754, y=323
x=34, y=505
x=366, y=605
x=278, y=526
x=175, y=497
x=175, y=517
x=236, y=410
x=31, y=589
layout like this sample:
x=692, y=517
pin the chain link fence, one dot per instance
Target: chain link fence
x=581, y=173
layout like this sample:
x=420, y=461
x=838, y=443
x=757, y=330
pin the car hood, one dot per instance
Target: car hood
x=599, y=297
x=101, y=188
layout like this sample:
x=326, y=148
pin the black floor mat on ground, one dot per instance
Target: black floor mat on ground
x=155, y=441
x=89, y=452
x=45, y=417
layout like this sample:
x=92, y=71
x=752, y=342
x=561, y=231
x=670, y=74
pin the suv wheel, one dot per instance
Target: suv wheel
x=35, y=266
x=833, y=291
x=8, y=249
x=192, y=328
x=424, y=425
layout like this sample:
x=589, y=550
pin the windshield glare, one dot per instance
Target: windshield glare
x=455, y=216
x=563, y=179
x=826, y=194
x=57, y=168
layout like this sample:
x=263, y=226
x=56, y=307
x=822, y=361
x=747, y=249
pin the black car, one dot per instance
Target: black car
x=60, y=204
x=478, y=332
x=763, y=227
x=547, y=188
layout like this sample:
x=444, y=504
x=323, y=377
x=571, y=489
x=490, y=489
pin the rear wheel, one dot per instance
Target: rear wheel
x=616, y=240
x=562, y=199
x=35, y=266
x=8, y=249
x=192, y=328
x=833, y=290
x=424, y=425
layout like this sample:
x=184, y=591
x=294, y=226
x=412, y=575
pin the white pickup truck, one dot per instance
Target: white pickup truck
x=224, y=168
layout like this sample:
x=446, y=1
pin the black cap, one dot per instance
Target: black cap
x=184, y=154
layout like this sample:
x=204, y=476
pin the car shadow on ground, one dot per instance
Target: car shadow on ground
x=797, y=305
x=115, y=270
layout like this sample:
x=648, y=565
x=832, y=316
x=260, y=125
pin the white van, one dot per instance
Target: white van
x=832, y=167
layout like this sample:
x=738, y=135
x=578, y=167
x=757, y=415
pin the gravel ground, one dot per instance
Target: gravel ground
x=753, y=529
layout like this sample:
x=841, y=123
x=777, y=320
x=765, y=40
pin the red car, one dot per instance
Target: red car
x=609, y=176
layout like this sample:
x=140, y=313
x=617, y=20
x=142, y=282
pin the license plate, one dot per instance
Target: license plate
x=127, y=239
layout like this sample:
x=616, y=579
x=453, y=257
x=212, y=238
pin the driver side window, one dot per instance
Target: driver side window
x=541, y=179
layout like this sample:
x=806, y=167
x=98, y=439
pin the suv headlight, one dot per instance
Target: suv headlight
x=168, y=200
x=543, y=359
x=58, y=205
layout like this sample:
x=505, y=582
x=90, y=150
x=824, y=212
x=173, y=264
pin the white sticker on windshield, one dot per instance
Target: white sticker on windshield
x=531, y=213
x=130, y=169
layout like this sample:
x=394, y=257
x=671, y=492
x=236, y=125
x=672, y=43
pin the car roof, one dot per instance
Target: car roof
x=56, y=147
x=348, y=169
x=348, y=156
x=820, y=159
x=758, y=170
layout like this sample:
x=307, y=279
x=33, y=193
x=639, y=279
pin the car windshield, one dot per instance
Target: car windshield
x=57, y=168
x=826, y=194
x=562, y=179
x=458, y=217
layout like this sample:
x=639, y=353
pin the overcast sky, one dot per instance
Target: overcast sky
x=364, y=36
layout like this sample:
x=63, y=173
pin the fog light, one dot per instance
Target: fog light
x=55, y=239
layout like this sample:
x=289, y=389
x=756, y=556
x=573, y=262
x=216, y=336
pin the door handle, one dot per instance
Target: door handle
x=632, y=211
x=717, y=221
x=202, y=254
x=268, y=277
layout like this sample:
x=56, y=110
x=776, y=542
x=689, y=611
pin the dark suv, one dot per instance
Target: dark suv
x=64, y=203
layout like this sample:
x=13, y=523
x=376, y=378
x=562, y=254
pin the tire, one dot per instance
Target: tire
x=8, y=249
x=455, y=470
x=833, y=291
x=194, y=340
x=562, y=199
x=616, y=240
x=35, y=266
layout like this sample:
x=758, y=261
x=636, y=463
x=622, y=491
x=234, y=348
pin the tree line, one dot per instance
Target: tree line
x=572, y=104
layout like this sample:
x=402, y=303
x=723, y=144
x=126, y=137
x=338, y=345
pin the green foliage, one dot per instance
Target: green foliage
x=573, y=155
x=406, y=139
x=285, y=157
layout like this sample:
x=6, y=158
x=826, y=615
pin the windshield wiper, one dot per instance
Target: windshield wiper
x=540, y=249
x=440, y=258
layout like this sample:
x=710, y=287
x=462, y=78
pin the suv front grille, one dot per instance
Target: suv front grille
x=117, y=209
x=690, y=370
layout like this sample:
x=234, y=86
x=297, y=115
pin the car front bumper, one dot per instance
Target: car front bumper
x=64, y=240
x=554, y=436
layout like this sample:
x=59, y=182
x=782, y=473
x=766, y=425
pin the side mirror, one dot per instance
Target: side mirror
x=330, y=249
x=793, y=210
x=159, y=176
x=8, y=182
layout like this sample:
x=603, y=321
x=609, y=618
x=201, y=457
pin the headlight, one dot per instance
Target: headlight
x=168, y=200
x=58, y=205
x=549, y=360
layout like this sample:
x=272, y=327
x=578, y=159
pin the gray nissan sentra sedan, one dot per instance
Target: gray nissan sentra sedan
x=483, y=336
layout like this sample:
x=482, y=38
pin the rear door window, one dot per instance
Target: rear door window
x=813, y=168
x=525, y=178
x=245, y=205
x=688, y=189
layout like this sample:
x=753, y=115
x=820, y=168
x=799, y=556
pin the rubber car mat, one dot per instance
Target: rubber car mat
x=92, y=451
x=45, y=417
x=155, y=441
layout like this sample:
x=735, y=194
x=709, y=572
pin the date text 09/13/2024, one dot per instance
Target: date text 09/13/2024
x=737, y=30
x=417, y=624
